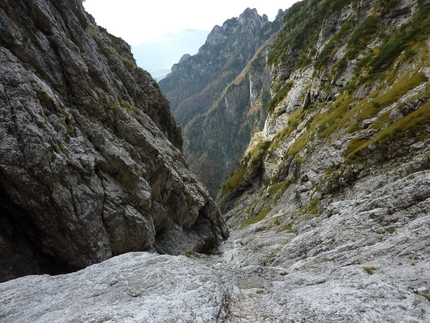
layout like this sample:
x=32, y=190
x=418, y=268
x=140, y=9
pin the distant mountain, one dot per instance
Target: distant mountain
x=214, y=95
x=158, y=56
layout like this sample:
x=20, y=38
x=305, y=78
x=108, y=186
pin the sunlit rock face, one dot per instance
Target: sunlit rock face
x=90, y=154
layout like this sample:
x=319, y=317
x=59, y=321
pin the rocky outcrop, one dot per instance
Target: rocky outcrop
x=117, y=291
x=90, y=154
x=220, y=94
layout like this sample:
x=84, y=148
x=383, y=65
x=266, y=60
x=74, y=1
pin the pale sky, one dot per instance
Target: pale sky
x=138, y=21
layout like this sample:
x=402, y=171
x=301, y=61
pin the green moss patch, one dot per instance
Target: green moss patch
x=276, y=190
x=411, y=126
x=369, y=270
x=233, y=181
x=257, y=218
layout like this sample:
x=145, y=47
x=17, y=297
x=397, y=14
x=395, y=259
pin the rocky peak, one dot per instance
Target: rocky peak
x=184, y=58
x=251, y=17
x=248, y=22
x=228, y=48
x=90, y=160
x=197, y=88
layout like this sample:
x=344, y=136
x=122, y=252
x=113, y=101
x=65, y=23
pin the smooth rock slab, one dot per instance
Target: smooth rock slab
x=134, y=287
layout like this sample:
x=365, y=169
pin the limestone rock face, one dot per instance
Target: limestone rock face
x=90, y=154
x=348, y=103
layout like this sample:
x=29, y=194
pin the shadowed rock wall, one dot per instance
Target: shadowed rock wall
x=90, y=155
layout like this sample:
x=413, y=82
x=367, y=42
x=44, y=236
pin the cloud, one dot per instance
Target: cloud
x=139, y=21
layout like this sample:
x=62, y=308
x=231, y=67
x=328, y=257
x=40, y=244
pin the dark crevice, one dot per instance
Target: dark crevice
x=21, y=253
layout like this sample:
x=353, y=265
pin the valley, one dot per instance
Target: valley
x=315, y=127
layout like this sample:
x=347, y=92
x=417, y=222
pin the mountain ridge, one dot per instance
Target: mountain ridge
x=195, y=87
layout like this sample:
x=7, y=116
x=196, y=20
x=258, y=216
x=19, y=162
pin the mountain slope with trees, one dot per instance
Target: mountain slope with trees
x=219, y=97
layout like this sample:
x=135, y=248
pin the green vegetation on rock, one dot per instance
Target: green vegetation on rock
x=363, y=96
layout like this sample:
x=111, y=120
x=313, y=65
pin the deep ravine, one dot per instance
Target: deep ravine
x=329, y=208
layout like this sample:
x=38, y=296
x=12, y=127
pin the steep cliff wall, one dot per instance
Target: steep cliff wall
x=350, y=99
x=90, y=155
x=219, y=97
x=335, y=189
x=217, y=139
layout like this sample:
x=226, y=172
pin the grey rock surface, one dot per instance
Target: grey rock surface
x=355, y=263
x=90, y=154
x=358, y=262
x=135, y=287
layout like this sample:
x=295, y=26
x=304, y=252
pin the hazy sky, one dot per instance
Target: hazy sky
x=137, y=21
